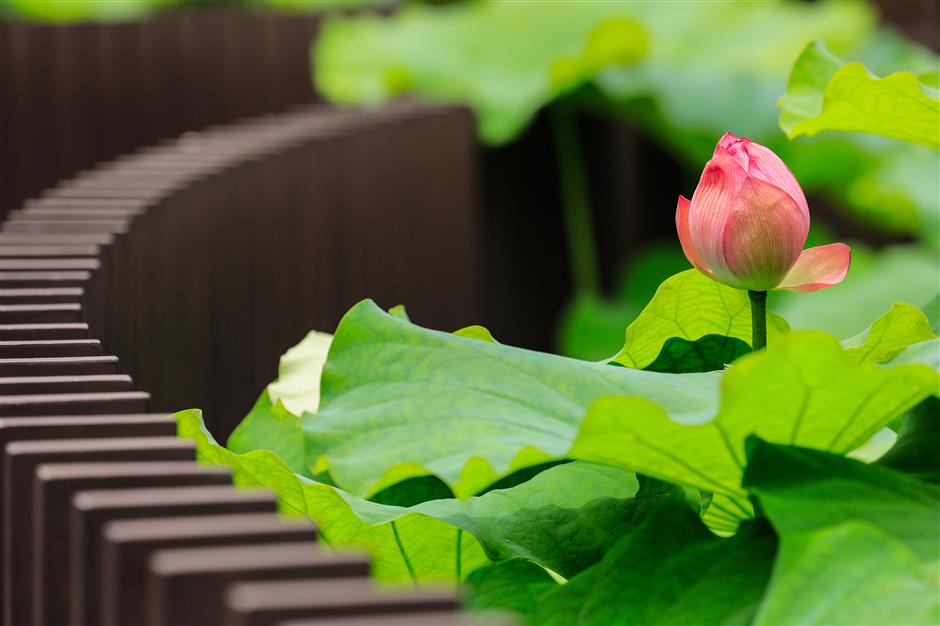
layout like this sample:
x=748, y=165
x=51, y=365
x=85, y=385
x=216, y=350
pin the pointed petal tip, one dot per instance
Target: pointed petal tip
x=818, y=268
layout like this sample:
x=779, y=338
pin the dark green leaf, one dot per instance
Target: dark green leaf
x=915, y=451
x=668, y=570
x=512, y=586
x=705, y=354
x=802, y=490
x=859, y=543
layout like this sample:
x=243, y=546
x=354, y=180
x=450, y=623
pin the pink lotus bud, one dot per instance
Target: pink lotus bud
x=747, y=223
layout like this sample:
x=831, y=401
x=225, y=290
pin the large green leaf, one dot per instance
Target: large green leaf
x=859, y=543
x=803, y=490
x=824, y=93
x=401, y=401
x=274, y=421
x=888, y=335
x=668, y=570
x=689, y=306
x=847, y=574
x=564, y=518
x=403, y=546
x=512, y=587
x=803, y=391
x=472, y=53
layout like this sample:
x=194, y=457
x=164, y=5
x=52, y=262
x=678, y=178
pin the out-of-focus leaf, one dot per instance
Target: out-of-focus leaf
x=592, y=327
x=82, y=10
x=915, y=451
x=400, y=401
x=472, y=53
x=689, y=306
x=925, y=353
x=873, y=284
x=274, y=421
x=807, y=392
x=669, y=570
x=859, y=543
x=888, y=335
x=823, y=93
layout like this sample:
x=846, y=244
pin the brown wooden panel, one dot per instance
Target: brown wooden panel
x=268, y=603
x=93, y=509
x=128, y=544
x=185, y=587
x=20, y=460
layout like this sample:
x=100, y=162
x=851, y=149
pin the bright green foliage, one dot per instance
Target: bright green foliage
x=424, y=549
x=888, y=335
x=274, y=422
x=82, y=10
x=847, y=574
x=668, y=570
x=689, y=306
x=472, y=53
x=824, y=93
x=804, y=391
x=401, y=401
x=859, y=544
x=564, y=518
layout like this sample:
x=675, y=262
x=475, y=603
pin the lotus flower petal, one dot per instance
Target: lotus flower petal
x=685, y=236
x=763, y=236
x=818, y=268
x=761, y=163
x=710, y=208
x=766, y=166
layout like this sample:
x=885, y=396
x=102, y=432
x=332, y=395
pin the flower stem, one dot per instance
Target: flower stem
x=758, y=319
x=575, y=201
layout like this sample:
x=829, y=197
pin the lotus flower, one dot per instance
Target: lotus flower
x=747, y=223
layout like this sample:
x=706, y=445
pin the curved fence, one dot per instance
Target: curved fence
x=198, y=262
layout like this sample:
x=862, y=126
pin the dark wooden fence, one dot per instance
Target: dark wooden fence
x=74, y=95
x=199, y=262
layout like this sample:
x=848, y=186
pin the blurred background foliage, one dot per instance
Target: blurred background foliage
x=680, y=74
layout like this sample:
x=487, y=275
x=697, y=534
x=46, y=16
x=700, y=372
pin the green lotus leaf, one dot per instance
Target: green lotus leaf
x=890, y=334
x=472, y=54
x=668, y=570
x=274, y=421
x=690, y=306
x=858, y=543
x=565, y=518
x=823, y=93
x=400, y=401
x=804, y=391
